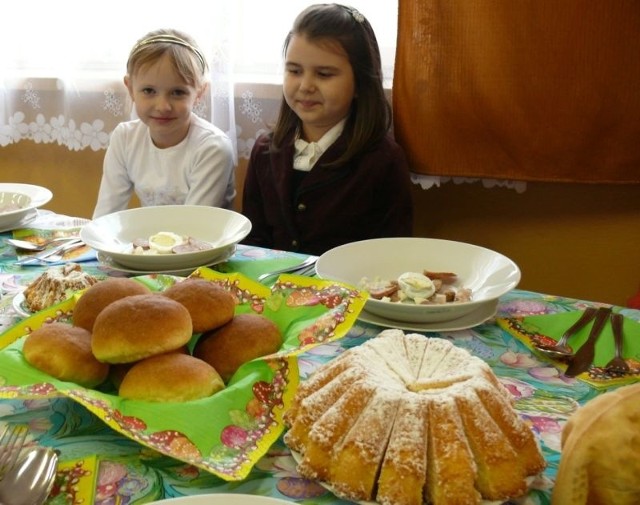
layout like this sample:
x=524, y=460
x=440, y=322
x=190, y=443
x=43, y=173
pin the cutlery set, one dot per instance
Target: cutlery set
x=24, y=479
x=53, y=254
x=582, y=359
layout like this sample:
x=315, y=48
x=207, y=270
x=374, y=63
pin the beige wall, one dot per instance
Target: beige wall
x=580, y=241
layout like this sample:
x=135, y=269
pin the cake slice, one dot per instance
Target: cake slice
x=451, y=471
x=329, y=430
x=404, y=468
x=357, y=459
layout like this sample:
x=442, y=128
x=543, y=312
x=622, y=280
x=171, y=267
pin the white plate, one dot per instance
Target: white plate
x=114, y=234
x=26, y=219
x=20, y=307
x=107, y=261
x=488, y=274
x=37, y=195
x=478, y=316
x=223, y=499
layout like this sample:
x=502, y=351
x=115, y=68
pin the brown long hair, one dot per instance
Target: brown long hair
x=370, y=116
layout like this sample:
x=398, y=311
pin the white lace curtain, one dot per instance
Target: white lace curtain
x=62, y=63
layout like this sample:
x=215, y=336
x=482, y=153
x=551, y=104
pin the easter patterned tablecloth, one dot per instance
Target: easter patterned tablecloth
x=106, y=467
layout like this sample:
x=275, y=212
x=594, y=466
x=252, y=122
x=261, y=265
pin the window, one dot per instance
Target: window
x=62, y=63
x=73, y=37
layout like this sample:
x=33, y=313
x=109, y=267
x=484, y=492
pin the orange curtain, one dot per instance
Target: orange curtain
x=534, y=90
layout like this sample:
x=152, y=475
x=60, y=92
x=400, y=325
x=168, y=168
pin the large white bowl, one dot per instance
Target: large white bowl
x=487, y=273
x=27, y=196
x=113, y=234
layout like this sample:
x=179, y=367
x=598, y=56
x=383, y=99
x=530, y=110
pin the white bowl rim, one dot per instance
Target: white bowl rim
x=19, y=196
x=117, y=248
x=517, y=274
x=38, y=196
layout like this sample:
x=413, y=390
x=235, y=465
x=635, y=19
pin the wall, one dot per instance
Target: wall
x=580, y=241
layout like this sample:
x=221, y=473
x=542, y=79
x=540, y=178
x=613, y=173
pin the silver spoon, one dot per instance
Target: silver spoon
x=561, y=349
x=30, y=246
x=30, y=482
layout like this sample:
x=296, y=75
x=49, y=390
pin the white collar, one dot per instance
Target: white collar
x=308, y=153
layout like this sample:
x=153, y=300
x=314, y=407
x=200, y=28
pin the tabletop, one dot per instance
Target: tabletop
x=101, y=466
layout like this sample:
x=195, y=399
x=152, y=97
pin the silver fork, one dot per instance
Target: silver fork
x=55, y=252
x=311, y=260
x=11, y=444
x=54, y=258
x=617, y=364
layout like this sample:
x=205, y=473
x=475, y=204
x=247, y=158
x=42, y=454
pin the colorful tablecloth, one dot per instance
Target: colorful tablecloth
x=100, y=466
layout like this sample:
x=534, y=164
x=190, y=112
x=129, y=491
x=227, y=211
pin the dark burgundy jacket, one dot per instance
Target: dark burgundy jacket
x=370, y=197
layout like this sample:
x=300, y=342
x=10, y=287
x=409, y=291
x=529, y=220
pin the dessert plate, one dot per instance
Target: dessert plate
x=107, y=261
x=20, y=306
x=478, y=316
x=223, y=499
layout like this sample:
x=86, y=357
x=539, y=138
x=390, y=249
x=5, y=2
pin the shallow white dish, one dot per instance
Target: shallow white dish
x=10, y=201
x=488, y=274
x=223, y=499
x=26, y=219
x=108, y=262
x=33, y=197
x=113, y=234
x=483, y=313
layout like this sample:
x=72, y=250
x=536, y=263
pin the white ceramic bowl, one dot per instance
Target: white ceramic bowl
x=27, y=196
x=487, y=273
x=114, y=234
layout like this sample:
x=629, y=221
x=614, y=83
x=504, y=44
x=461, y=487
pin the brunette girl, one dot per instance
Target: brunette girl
x=329, y=173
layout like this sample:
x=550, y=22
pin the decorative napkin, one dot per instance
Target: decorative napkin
x=548, y=328
x=254, y=262
x=227, y=433
x=48, y=226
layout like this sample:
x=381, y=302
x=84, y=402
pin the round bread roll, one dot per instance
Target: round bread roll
x=139, y=326
x=599, y=464
x=244, y=338
x=170, y=377
x=64, y=352
x=101, y=294
x=119, y=370
x=210, y=305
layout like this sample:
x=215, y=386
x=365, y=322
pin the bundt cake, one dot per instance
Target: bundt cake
x=56, y=285
x=406, y=419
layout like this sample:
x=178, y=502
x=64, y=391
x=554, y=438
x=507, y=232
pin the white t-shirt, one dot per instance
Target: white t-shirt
x=197, y=171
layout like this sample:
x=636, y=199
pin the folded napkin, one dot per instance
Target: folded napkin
x=547, y=329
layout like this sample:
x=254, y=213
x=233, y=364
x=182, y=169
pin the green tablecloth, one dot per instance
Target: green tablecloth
x=113, y=469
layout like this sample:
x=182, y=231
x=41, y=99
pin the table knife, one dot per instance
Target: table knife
x=583, y=358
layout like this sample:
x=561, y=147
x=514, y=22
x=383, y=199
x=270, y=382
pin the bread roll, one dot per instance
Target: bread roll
x=139, y=326
x=244, y=338
x=64, y=352
x=101, y=294
x=599, y=464
x=171, y=377
x=210, y=305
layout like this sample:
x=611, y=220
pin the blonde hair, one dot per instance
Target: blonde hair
x=187, y=59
